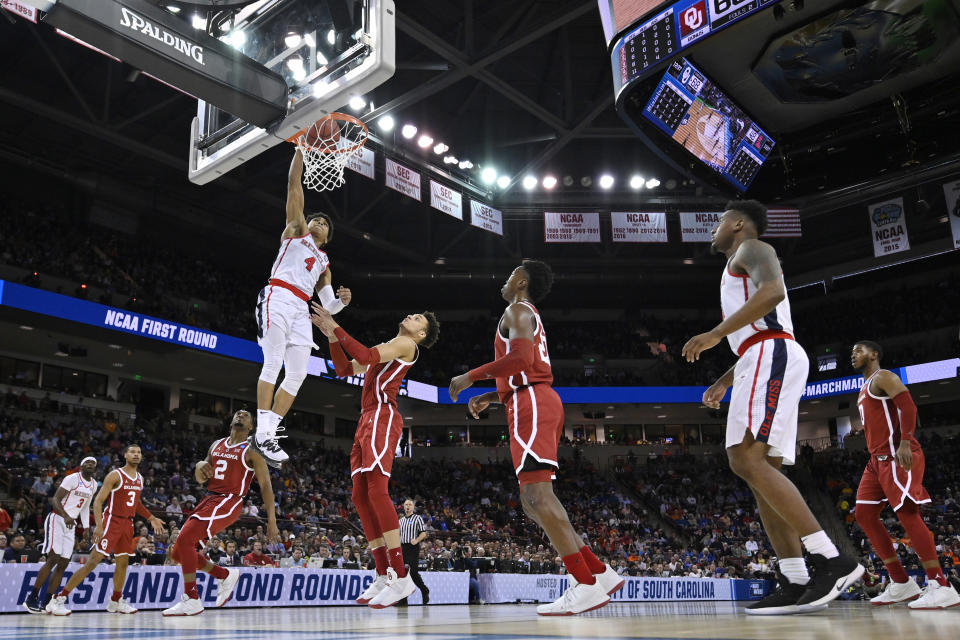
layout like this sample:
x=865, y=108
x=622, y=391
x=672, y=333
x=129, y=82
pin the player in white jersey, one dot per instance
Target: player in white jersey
x=283, y=318
x=768, y=381
x=70, y=503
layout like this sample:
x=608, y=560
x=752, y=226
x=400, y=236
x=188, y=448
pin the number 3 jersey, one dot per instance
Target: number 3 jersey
x=125, y=497
x=300, y=263
x=79, y=494
x=538, y=373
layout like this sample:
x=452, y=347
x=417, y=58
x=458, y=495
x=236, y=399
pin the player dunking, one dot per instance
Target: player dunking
x=768, y=381
x=378, y=432
x=228, y=471
x=283, y=318
x=894, y=474
x=70, y=502
x=114, y=531
x=535, y=422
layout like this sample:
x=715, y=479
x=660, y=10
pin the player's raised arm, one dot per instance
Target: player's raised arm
x=266, y=492
x=296, y=223
x=332, y=303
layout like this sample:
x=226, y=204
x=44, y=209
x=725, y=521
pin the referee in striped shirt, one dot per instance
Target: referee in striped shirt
x=412, y=533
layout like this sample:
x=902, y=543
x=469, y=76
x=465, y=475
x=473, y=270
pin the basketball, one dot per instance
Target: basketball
x=323, y=134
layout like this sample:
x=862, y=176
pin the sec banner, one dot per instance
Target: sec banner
x=445, y=199
x=638, y=227
x=888, y=226
x=486, y=218
x=951, y=192
x=402, y=179
x=698, y=227
x=362, y=163
x=571, y=227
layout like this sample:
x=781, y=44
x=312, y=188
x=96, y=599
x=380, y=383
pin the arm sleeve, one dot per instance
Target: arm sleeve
x=329, y=301
x=142, y=511
x=519, y=357
x=340, y=362
x=908, y=414
x=361, y=354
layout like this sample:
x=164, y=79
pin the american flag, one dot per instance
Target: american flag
x=783, y=223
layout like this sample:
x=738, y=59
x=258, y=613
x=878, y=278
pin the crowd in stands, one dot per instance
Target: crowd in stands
x=169, y=282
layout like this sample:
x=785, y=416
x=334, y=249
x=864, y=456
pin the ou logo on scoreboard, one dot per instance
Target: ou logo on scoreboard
x=693, y=17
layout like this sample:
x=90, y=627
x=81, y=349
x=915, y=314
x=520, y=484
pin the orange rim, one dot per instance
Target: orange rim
x=340, y=117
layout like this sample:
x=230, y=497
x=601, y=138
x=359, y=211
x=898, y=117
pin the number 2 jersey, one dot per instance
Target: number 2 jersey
x=231, y=473
x=537, y=373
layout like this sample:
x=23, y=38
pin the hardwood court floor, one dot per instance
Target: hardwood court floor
x=720, y=620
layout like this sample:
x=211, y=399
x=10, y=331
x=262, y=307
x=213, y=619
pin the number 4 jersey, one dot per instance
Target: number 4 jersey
x=299, y=263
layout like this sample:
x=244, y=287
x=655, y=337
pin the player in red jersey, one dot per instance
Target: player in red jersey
x=378, y=432
x=228, y=471
x=894, y=474
x=535, y=421
x=114, y=531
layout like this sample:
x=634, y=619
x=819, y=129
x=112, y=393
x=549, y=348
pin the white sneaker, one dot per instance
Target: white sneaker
x=373, y=590
x=58, y=606
x=935, y=596
x=395, y=590
x=265, y=443
x=610, y=579
x=120, y=606
x=577, y=599
x=897, y=592
x=226, y=586
x=186, y=607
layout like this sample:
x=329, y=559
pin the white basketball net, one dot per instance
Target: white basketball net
x=325, y=159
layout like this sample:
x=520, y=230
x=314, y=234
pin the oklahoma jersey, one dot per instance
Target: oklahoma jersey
x=381, y=423
x=125, y=497
x=300, y=263
x=231, y=473
x=881, y=421
x=735, y=290
x=382, y=382
x=538, y=373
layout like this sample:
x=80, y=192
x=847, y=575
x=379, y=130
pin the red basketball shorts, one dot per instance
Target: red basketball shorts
x=217, y=512
x=117, y=536
x=884, y=480
x=375, y=443
x=535, y=424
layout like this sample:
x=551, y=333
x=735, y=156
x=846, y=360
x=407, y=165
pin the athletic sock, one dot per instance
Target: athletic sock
x=593, y=562
x=190, y=588
x=794, y=570
x=396, y=561
x=380, y=557
x=819, y=543
x=936, y=574
x=578, y=568
x=219, y=572
x=116, y=596
x=263, y=422
x=896, y=571
x=64, y=592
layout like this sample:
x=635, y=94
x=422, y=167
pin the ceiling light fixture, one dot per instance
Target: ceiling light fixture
x=385, y=123
x=606, y=181
x=357, y=103
x=408, y=131
x=424, y=141
x=292, y=39
x=440, y=148
x=503, y=182
x=636, y=182
x=529, y=182
x=549, y=182
x=488, y=175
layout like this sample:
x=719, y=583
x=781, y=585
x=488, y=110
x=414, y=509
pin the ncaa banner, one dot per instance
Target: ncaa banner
x=698, y=227
x=571, y=227
x=486, y=218
x=150, y=587
x=404, y=180
x=513, y=587
x=638, y=227
x=951, y=191
x=362, y=163
x=443, y=198
x=888, y=226
x=20, y=9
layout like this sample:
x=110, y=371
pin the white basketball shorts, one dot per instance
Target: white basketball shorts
x=57, y=536
x=283, y=320
x=768, y=381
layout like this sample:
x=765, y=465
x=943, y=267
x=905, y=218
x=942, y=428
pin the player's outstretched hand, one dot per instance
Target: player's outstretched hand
x=476, y=404
x=344, y=294
x=157, y=525
x=458, y=384
x=322, y=320
x=698, y=344
x=273, y=535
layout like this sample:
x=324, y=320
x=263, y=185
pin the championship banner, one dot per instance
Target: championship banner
x=20, y=9
x=443, y=198
x=485, y=217
x=511, y=587
x=362, y=163
x=158, y=587
x=402, y=179
x=571, y=227
x=638, y=227
x=698, y=227
x=888, y=226
x=951, y=191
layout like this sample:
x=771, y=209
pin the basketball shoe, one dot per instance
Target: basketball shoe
x=58, y=606
x=394, y=590
x=897, y=592
x=226, y=586
x=936, y=596
x=32, y=603
x=373, y=590
x=120, y=606
x=610, y=579
x=265, y=443
x=186, y=607
x=830, y=577
x=578, y=598
x=783, y=600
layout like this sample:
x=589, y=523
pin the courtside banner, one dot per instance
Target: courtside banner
x=571, y=227
x=888, y=226
x=362, y=162
x=951, y=191
x=402, y=179
x=150, y=587
x=486, y=217
x=638, y=227
x=21, y=9
x=513, y=587
x=443, y=198
x=698, y=227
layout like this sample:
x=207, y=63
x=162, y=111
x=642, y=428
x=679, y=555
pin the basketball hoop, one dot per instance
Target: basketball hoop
x=327, y=146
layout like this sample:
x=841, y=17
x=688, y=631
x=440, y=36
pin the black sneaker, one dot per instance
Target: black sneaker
x=783, y=600
x=270, y=451
x=426, y=597
x=829, y=578
x=32, y=603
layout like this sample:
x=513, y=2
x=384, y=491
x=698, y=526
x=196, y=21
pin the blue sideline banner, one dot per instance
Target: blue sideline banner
x=149, y=587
